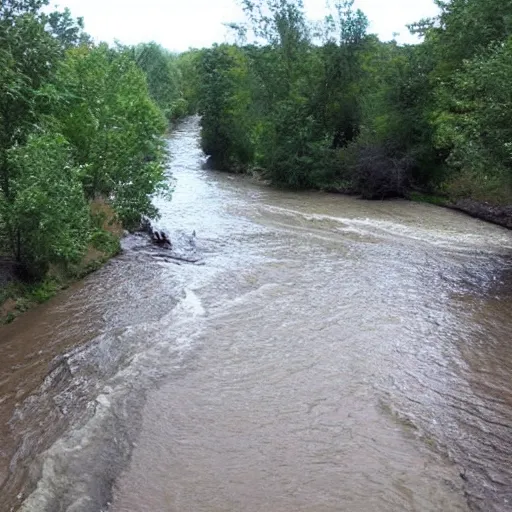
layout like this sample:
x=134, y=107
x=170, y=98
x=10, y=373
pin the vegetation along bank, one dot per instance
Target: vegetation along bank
x=329, y=106
x=81, y=147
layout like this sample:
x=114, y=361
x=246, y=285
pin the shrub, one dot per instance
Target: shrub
x=49, y=216
x=379, y=175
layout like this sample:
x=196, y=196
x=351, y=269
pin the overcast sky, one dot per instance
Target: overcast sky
x=181, y=24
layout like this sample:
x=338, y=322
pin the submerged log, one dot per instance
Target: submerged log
x=161, y=238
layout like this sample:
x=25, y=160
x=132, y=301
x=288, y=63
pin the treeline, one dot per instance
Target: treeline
x=81, y=125
x=311, y=105
x=329, y=106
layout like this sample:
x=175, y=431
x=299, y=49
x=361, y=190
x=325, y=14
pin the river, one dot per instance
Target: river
x=316, y=353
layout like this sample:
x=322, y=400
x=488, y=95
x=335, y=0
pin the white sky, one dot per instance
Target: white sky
x=182, y=24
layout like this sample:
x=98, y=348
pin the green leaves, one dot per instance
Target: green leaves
x=49, y=212
x=224, y=107
x=76, y=123
x=465, y=29
x=114, y=127
x=163, y=77
x=374, y=116
x=287, y=105
x=474, y=120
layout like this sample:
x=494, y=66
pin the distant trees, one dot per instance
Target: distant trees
x=330, y=106
x=224, y=105
x=163, y=77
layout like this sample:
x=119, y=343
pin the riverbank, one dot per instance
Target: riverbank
x=488, y=212
x=18, y=296
x=500, y=215
x=483, y=210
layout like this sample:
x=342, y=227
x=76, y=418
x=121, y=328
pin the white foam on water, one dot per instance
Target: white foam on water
x=61, y=477
x=192, y=304
x=440, y=236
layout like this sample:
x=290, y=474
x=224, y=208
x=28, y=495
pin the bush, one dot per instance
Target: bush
x=178, y=109
x=49, y=217
x=105, y=242
x=379, y=175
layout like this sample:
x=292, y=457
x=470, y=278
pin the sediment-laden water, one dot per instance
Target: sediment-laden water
x=317, y=353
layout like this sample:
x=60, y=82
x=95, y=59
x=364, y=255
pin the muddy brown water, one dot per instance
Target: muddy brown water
x=322, y=354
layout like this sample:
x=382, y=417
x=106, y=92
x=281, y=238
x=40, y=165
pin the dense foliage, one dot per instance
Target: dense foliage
x=164, y=78
x=80, y=125
x=330, y=106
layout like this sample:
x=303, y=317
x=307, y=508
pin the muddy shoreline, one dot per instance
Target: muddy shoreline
x=500, y=215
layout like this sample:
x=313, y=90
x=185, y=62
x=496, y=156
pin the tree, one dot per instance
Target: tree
x=164, y=78
x=76, y=123
x=470, y=45
x=114, y=128
x=223, y=106
x=339, y=93
x=302, y=101
x=475, y=122
x=48, y=212
x=29, y=55
x=466, y=28
x=189, y=64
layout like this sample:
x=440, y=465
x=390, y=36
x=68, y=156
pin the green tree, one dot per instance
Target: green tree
x=189, y=64
x=466, y=28
x=164, y=78
x=475, y=122
x=76, y=122
x=223, y=105
x=114, y=128
x=283, y=76
x=339, y=88
x=470, y=46
x=48, y=213
x=29, y=55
